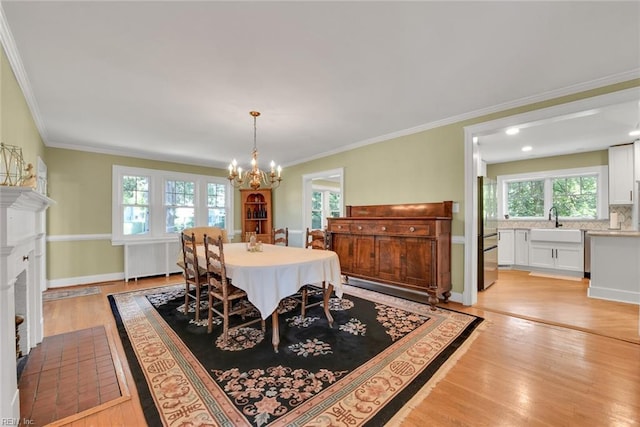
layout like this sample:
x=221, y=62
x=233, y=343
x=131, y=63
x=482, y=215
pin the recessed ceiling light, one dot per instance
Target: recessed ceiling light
x=512, y=131
x=527, y=148
x=634, y=132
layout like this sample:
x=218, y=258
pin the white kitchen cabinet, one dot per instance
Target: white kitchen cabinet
x=506, y=253
x=615, y=270
x=621, y=175
x=556, y=255
x=521, y=247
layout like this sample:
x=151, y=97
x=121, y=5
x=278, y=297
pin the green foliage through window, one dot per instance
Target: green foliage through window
x=135, y=205
x=216, y=199
x=576, y=197
x=525, y=199
x=179, y=199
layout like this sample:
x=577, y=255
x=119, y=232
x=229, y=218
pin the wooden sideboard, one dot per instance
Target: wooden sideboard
x=406, y=245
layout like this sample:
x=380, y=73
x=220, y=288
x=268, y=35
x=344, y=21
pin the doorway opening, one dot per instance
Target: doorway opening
x=474, y=165
x=323, y=196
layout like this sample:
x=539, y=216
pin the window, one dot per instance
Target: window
x=216, y=198
x=525, y=198
x=580, y=193
x=135, y=205
x=324, y=203
x=179, y=205
x=576, y=197
x=154, y=204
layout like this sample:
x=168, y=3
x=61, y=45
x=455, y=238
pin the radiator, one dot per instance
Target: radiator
x=150, y=259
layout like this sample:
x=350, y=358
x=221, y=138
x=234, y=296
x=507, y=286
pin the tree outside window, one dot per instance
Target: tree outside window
x=316, y=209
x=525, y=199
x=179, y=205
x=135, y=205
x=324, y=204
x=576, y=197
x=576, y=193
x=216, y=199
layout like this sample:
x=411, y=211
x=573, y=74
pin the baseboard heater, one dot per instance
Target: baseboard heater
x=150, y=259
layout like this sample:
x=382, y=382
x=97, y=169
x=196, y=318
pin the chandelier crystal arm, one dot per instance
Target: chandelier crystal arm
x=255, y=178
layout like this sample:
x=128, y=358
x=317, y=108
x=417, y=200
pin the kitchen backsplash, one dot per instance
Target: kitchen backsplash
x=624, y=216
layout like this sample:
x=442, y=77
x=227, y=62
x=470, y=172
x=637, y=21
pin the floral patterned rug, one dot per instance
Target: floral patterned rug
x=381, y=351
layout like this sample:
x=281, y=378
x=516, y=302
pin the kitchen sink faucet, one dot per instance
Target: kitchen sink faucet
x=553, y=208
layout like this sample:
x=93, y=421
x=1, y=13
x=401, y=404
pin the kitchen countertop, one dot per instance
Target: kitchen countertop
x=614, y=233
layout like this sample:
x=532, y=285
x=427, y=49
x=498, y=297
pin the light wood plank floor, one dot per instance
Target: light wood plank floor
x=516, y=372
x=560, y=302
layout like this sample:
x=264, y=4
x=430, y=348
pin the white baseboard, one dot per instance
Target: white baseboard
x=84, y=280
x=456, y=297
x=614, y=295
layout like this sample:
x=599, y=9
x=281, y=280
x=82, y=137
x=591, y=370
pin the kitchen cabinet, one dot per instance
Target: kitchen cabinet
x=506, y=250
x=621, y=174
x=407, y=246
x=615, y=270
x=256, y=213
x=521, y=247
x=556, y=255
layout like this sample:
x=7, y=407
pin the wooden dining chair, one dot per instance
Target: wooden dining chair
x=315, y=239
x=221, y=290
x=195, y=276
x=280, y=236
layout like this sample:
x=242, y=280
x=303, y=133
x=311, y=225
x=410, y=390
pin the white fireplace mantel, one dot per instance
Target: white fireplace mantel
x=22, y=280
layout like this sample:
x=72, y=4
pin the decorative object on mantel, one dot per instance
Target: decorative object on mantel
x=30, y=179
x=254, y=178
x=11, y=164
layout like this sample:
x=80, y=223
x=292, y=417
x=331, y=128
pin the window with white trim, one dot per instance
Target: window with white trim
x=580, y=193
x=179, y=205
x=135, y=205
x=216, y=204
x=151, y=204
x=324, y=203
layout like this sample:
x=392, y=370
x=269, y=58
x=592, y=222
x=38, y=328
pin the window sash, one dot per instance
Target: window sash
x=599, y=173
x=182, y=198
x=324, y=203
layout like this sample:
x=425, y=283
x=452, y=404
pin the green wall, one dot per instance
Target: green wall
x=424, y=167
x=16, y=123
x=569, y=161
x=80, y=183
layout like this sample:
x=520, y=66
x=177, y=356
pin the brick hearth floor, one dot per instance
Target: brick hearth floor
x=67, y=374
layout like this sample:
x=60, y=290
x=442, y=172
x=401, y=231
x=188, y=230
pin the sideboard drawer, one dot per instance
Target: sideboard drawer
x=411, y=229
x=338, y=226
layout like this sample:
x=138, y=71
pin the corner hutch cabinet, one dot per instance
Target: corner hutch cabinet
x=403, y=245
x=256, y=213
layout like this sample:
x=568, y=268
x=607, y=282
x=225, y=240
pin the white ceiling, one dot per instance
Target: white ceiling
x=590, y=129
x=175, y=80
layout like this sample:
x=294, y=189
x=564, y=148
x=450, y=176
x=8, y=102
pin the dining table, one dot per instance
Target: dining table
x=274, y=272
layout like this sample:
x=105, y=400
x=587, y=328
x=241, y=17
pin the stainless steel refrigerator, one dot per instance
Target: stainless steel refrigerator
x=487, y=232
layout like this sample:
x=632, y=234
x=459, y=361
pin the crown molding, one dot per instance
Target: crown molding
x=545, y=96
x=139, y=154
x=10, y=49
x=6, y=38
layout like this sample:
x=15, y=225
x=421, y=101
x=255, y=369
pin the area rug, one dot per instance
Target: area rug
x=51, y=295
x=381, y=351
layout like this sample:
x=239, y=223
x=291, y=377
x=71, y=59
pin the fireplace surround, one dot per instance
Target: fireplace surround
x=22, y=280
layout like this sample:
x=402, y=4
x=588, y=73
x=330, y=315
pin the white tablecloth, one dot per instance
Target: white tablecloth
x=277, y=272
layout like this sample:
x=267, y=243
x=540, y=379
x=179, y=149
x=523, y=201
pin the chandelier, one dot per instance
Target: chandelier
x=254, y=178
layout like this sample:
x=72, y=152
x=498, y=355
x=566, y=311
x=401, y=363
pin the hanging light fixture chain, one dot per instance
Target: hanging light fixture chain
x=254, y=178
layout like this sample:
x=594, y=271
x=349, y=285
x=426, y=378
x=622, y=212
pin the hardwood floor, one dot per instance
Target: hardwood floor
x=560, y=302
x=518, y=371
